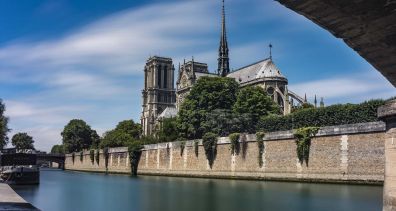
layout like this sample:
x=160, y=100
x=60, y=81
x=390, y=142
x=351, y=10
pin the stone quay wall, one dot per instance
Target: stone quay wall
x=345, y=153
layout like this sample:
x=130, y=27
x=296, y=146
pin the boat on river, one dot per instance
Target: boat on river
x=19, y=168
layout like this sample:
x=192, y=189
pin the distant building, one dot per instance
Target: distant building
x=159, y=92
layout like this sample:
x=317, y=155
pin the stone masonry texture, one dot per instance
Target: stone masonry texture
x=346, y=153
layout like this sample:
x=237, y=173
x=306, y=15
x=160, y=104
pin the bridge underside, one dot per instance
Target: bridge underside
x=367, y=26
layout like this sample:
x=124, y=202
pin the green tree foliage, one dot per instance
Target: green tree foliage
x=125, y=132
x=253, y=101
x=130, y=127
x=3, y=126
x=115, y=138
x=78, y=135
x=208, y=94
x=224, y=122
x=168, y=131
x=234, y=140
x=327, y=116
x=22, y=141
x=58, y=149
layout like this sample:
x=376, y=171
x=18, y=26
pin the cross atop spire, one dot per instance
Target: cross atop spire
x=223, y=61
x=270, y=48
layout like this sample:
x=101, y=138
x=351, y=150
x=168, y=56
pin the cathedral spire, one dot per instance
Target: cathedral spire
x=223, y=61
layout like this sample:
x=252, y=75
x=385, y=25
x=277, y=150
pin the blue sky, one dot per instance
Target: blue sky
x=65, y=59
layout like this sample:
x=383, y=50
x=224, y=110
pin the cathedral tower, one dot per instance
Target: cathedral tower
x=223, y=61
x=159, y=91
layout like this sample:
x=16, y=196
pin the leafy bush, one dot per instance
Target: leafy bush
x=304, y=136
x=81, y=156
x=319, y=117
x=73, y=157
x=135, y=151
x=196, y=149
x=106, y=157
x=92, y=155
x=234, y=139
x=97, y=156
x=260, y=145
x=209, y=141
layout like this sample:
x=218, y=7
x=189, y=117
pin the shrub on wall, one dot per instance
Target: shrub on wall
x=320, y=117
x=303, y=141
x=196, y=149
x=81, y=156
x=92, y=155
x=135, y=151
x=234, y=139
x=73, y=157
x=260, y=145
x=106, y=157
x=182, y=144
x=244, y=145
x=97, y=156
x=209, y=141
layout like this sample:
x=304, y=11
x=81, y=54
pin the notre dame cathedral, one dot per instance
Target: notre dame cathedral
x=162, y=100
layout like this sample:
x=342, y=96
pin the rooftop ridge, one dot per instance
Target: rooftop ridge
x=250, y=65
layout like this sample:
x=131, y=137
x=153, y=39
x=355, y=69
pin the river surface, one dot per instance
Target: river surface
x=66, y=190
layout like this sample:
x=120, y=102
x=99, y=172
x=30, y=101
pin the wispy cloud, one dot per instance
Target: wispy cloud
x=347, y=88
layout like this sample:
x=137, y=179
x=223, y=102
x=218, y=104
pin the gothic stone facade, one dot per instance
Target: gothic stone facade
x=159, y=91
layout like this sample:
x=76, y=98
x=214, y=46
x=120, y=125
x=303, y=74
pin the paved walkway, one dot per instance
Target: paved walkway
x=10, y=200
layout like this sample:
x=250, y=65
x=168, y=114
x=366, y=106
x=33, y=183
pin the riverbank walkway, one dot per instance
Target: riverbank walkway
x=10, y=200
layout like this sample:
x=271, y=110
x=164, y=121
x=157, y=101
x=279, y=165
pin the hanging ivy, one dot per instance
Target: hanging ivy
x=244, y=145
x=97, y=156
x=182, y=147
x=106, y=157
x=81, y=156
x=135, y=151
x=303, y=141
x=92, y=155
x=196, y=149
x=260, y=145
x=73, y=157
x=209, y=141
x=182, y=144
x=234, y=139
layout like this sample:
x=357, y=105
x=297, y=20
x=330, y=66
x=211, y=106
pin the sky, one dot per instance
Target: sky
x=67, y=59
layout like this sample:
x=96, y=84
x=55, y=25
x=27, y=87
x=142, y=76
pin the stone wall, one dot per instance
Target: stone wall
x=347, y=153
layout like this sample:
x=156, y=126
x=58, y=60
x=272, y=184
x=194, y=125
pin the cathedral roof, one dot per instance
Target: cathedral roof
x=259, y=70
x=169, y=112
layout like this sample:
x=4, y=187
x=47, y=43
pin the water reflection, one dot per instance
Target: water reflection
x=84, y=191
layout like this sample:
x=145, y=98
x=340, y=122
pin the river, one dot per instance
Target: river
x=66, y=190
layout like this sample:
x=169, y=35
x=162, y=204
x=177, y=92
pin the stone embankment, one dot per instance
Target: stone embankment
x=346, y=153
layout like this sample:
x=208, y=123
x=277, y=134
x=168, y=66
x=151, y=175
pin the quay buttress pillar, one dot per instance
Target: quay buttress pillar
x=388, y=114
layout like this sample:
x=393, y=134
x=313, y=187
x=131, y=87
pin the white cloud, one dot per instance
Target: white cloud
x=347, y=88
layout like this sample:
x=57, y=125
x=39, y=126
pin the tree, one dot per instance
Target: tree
x=3, y=126
x=254, y=102
x=22, y=141
x=208, y=94
x=77, y=135
x=168, y=131
x=58, y=149
x=130, y=127
x=125, y=132
x=115, y=138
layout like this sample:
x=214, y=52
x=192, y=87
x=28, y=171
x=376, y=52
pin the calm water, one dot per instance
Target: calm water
x=63, y=190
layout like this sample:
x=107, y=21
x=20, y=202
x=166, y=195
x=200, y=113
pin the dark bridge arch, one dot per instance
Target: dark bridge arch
x=55, y=158
x=368, y=27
